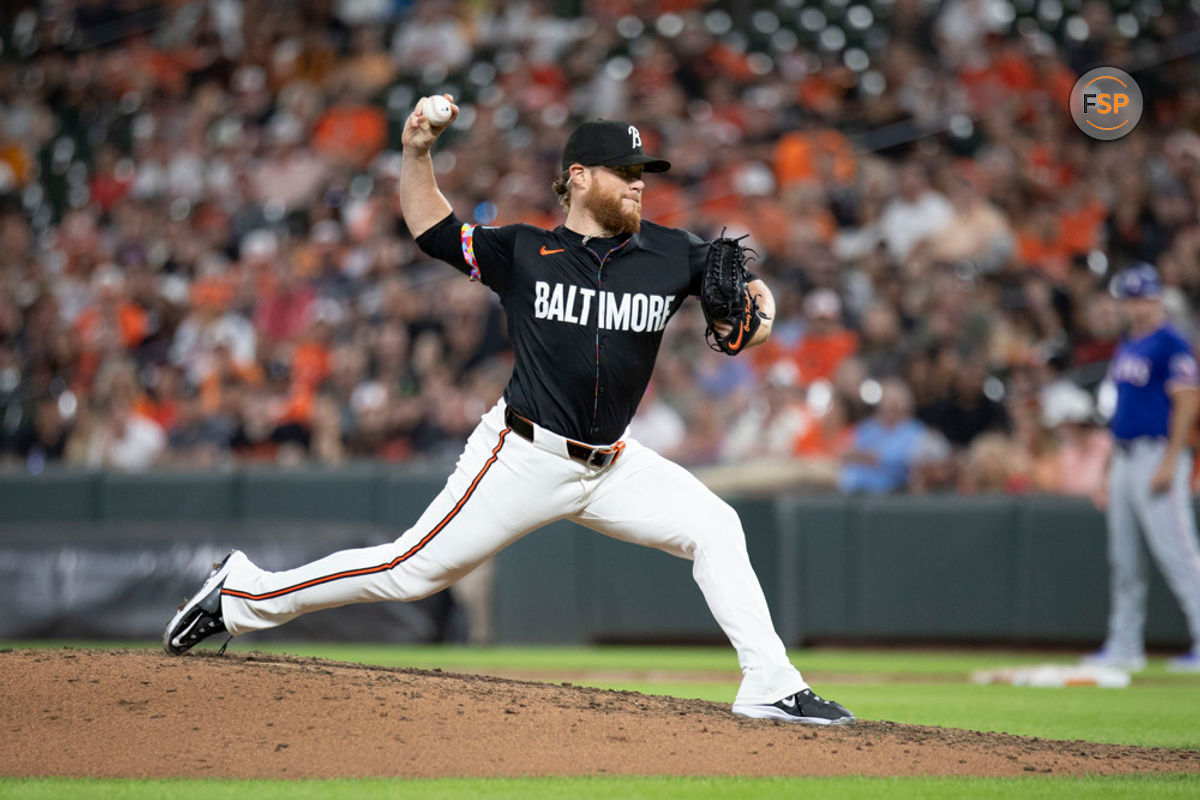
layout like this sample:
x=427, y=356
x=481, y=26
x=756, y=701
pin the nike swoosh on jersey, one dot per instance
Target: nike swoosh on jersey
x=546, y=252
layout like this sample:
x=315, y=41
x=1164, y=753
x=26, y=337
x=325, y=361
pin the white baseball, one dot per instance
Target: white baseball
x=437, y=110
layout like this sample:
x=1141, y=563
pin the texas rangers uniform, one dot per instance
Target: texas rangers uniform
x=1144, y=370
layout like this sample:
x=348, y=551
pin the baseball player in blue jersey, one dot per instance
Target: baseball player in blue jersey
x=1158, y=392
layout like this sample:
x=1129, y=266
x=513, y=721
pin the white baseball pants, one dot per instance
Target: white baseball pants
x=1166, y=522
x=504, y=487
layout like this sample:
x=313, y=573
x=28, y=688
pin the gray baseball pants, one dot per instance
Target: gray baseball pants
x=1169, y=528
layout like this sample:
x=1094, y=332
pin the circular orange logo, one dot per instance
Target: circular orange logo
x=1106, y=103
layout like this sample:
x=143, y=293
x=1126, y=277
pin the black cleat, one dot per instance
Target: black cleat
x=199, y=617
x=804, y=706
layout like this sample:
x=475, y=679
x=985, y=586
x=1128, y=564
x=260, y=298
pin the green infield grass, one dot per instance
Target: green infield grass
x=929, y=687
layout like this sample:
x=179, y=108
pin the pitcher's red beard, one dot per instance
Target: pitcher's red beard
x=610, y=212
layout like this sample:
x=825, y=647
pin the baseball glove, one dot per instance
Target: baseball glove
x=725, y=296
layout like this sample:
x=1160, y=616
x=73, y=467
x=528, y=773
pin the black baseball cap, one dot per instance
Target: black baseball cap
x=609, y=143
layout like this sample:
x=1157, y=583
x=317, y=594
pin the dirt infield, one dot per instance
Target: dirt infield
x=144, y=714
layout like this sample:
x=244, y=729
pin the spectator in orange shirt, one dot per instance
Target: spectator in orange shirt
x=113, y=320
x=826, y=343
x=823, y=346
x=163, y=401
x=1040, y=245
x=111, y=326
x=1080, y=221
x=813, y=156
x=351, y=132
x=832, y=434
x=310, y=365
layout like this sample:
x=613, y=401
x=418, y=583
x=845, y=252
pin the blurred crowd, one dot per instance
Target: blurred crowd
x=203, y=262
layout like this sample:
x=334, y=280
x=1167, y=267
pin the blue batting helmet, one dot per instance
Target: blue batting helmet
x=1138, y=280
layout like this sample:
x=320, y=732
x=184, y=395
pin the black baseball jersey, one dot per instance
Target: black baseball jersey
x=586, y=320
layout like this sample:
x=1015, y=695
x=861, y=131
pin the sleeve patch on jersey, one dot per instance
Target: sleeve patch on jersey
x=1183, y=370
x=468, y=250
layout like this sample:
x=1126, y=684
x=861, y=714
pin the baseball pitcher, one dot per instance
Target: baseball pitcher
x=586, y=305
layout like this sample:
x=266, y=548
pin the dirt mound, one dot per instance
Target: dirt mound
x=144, y=714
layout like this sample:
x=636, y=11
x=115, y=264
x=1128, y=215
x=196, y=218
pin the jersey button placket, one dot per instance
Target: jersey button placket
x=594, y=430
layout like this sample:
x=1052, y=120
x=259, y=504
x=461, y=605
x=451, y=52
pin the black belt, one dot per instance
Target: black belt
x=592, y=456
x=1127, y=445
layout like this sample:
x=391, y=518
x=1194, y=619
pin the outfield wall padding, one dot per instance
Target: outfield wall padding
x=946, y=568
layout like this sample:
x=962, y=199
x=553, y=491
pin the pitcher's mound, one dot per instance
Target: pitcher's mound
x=145, y=714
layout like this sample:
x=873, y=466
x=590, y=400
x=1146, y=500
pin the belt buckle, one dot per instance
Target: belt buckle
x=602, y=457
